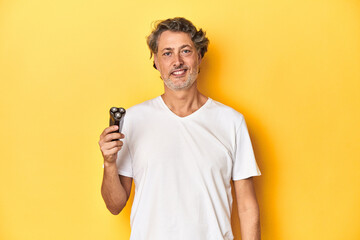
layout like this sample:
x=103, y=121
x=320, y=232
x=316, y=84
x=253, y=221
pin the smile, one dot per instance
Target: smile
x=179, y=72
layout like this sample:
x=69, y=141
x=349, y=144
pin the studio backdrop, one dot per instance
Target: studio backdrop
x=292, y=68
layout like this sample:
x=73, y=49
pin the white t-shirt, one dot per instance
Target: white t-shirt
x=182, y=168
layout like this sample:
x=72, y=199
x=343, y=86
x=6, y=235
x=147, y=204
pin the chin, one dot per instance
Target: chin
x=176, y=84
x=179, y=86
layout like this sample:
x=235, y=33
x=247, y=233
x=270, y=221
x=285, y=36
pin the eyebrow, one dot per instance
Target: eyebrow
x=170, y=49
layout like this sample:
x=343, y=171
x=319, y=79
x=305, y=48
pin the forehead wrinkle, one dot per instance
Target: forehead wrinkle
x=181, y=47
x=172, y=39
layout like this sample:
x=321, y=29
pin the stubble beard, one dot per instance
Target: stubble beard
x=183, y=85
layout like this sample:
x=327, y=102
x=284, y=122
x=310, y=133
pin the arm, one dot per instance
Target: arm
x=115, y=189
x=248, y=209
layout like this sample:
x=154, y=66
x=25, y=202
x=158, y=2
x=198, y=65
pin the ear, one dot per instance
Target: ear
x=155, y=62
x=199, y=57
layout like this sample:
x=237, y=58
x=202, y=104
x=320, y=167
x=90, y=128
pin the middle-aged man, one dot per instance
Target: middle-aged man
x=182, y=149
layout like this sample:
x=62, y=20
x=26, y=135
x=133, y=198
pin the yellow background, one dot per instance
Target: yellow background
x=291, y=67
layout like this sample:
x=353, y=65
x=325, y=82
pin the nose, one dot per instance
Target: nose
x=178, y=61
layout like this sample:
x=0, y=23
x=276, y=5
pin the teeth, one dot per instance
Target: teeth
x=179, y=72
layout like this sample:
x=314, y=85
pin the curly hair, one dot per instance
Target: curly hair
x=178, y=24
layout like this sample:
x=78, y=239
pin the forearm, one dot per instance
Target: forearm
x=112, y=191
x=250, y=223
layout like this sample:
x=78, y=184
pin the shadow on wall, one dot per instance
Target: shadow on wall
x=265, y=154
x=261, y=141
x=209, y=78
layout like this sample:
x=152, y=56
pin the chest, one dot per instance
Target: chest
x=181, y=148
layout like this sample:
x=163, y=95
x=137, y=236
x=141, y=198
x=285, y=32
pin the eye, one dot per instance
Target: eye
x=167, y=54
x=186, y=51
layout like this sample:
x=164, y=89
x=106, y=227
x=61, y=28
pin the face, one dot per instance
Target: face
x=177, y=60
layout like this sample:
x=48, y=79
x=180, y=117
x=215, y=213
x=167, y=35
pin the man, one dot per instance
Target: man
x=182, y=149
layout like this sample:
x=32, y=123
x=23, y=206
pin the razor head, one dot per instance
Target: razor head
x=114, y=109
x=117, y=116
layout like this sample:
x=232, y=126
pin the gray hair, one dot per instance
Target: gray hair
x=178, y=24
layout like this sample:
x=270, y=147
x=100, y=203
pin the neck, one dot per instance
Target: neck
x=183, y=102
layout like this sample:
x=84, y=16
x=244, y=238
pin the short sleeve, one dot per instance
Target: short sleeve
x=124, y=160
x=244, y=165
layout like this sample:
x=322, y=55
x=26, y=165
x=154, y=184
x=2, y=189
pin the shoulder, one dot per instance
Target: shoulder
x=144, y=106
x=226, y=113
x=142, y=110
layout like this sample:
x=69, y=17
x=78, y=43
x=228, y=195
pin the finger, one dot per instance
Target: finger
x=109, y=145
x=121, y=136
x=113, y=151
x=105, y=145
x=112, y=144
x=111, y=136
x=107, y=130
